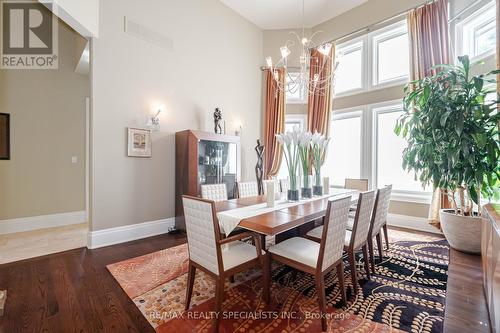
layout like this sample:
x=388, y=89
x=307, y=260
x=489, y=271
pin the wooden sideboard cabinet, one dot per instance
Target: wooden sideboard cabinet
x=204, y=158
x=490, y=252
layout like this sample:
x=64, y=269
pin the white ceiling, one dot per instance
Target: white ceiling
x=286, y=14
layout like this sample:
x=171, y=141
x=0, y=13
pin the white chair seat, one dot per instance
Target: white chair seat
x=237, y=253
x=316, y=232
x=298, y=249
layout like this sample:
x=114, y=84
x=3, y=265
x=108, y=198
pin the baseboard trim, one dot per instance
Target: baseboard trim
x=31, y=223
x=112, y=236
x=411, y=222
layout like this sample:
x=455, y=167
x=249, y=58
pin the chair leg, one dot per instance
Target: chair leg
x=340, y=276
x=231, y=279
x=320, y=289
x=366, y=261
x=352, y=265
x=370, y=250
x=386, y=236
x=379, y=245
x=219, y=298
x=190, y=284
x=266, y=278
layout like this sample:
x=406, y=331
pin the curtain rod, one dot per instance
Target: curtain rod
x=371, y=27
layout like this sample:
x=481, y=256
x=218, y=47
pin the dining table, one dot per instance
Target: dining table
x=253, y=213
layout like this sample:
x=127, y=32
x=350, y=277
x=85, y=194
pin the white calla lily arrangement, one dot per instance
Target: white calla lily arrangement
x=319, y=146
x=303, y=147
x=290, y=141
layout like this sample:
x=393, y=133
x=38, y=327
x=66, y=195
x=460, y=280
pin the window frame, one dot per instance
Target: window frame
x=459, y=32
x=350, y=46
x=423, y=196
x=379, y=36
x=369, y=66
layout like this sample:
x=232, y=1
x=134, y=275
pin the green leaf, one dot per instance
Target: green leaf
x=478, y=83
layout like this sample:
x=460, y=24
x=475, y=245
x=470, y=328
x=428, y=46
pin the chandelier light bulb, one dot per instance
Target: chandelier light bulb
x=269, y=62
x=304, y=41
x=285, y=51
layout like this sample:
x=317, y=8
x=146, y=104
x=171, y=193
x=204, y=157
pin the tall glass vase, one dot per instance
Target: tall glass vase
x=306, y=191
x=293, y=191
x=317, y=188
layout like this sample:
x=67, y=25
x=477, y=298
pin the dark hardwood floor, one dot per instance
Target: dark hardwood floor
x=73, y=292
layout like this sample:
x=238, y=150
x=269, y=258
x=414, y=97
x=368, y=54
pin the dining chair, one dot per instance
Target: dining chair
x=215, y=192
x=318, y=258
x=276, y=185
x=247, y=189
x=284, y=185
x=357, y=238
x=379, y=220
x=206, y=251
x=356, y=184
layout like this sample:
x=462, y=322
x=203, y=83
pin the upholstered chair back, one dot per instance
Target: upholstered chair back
x=276, y=185
x=215, y=192
x=381, y=208
x=332, y=242
x=248, y=189
x=356, y=184
x=200, y=230
x=363, y=216
x=285, y=185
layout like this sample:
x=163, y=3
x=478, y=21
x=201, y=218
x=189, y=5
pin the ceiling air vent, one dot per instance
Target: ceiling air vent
x=139, y=31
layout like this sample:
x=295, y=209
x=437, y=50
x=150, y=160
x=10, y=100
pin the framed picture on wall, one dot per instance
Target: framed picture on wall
x=139, y=142
x=4, y=136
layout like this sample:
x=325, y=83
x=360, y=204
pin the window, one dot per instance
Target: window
x=344, y=152
x=391, y=54
x=294, y=95
x=388, y=152
x=349, y=72
x=476, y=35
x=380, y=58
x=363, y=145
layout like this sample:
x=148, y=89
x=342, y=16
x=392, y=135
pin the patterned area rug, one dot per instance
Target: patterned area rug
x=407, y=293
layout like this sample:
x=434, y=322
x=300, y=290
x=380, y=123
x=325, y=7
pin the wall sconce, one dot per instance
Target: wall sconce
x=154, y=121
x=238, y=130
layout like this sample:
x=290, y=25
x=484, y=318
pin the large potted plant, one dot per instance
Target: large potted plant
x=452, y=135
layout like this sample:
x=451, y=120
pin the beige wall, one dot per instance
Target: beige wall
x=47, y=110
x=215, y=63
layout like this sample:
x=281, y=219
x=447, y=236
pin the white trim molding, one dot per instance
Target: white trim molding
x=23, y=224
x=411, y=222
x=112, y=236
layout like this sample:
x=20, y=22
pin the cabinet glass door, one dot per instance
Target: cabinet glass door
x=217, y=163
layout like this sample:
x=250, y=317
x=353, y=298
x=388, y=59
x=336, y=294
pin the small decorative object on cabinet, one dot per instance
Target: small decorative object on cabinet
x=204, y=158
x=4, y=136
x=139, y=142
x=217, y=121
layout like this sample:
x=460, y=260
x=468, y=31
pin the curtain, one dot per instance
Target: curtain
x=319, y=104
x=429, y=46
x=274, y=121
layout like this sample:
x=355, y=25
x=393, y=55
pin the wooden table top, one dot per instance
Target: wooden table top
x=281, y=220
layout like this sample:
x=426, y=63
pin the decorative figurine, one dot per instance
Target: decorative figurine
x=259, y=167
x=217, y=120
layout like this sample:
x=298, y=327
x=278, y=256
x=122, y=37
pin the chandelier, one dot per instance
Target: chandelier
x=302, y=81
